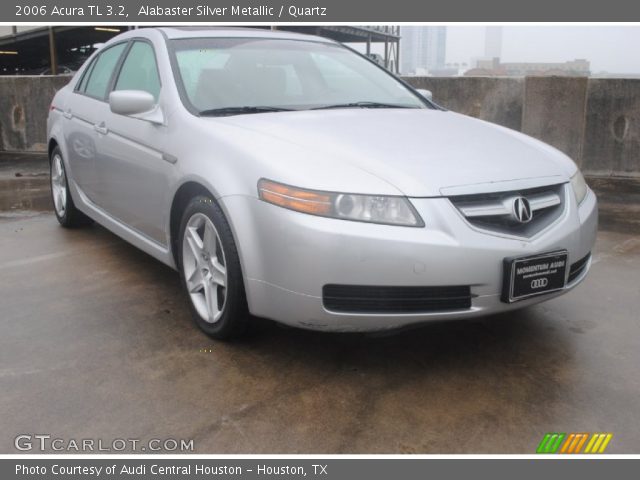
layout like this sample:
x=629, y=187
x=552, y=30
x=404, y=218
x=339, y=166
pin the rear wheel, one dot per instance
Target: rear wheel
x=66, y=212
x=210, y=270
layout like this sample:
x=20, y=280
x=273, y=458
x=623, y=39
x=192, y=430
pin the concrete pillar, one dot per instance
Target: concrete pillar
x=554, y=110
x=612, y=127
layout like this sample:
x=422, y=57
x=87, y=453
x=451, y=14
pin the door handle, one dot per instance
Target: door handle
x=67, y=114
x=101, y=128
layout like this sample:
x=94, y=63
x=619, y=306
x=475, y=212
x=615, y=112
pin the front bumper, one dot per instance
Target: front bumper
x=287, y=257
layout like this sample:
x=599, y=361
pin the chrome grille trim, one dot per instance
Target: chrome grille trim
x=494, y=211
x=537, y=201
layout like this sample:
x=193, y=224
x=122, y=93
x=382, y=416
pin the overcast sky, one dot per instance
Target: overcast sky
x=611, y=49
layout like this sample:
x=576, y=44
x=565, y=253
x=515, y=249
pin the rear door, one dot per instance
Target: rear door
x=83, y=113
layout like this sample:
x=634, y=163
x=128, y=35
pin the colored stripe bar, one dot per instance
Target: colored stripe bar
x=551, y=442
x=590, y=444
x=574, y=444
x=565, y=447
x=556, y=446
x=542, y=447
x=598, y=443
x=582, y=442
x=605, y=443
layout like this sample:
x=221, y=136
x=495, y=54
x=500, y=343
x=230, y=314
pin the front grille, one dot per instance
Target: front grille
x=495, y=211
x=376, y=299
x=577, y=268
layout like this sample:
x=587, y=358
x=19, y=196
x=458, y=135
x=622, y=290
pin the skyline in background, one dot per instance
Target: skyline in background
x=425, y=49
x=608, y=49
x=422, y=48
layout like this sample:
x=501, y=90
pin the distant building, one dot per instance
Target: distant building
x=422, y=49
x=579, y=67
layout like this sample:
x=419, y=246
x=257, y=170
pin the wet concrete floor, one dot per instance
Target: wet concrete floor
x=96, y=342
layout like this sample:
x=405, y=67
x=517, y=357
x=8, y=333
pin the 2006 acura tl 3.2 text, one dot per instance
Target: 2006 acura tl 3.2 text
x=288, y=177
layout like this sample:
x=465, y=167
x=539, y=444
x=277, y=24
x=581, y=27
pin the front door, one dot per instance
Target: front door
x=132, y=178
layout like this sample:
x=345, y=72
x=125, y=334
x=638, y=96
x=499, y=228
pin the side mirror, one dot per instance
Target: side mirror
x=425, y=93
x=135, y=103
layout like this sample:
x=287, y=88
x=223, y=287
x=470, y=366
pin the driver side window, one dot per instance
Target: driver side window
x=139, y=70
x=96, y=81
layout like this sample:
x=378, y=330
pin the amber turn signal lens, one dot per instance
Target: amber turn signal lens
x=306, y=201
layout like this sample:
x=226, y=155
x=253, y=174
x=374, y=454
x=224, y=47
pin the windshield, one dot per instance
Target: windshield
x=254, y=75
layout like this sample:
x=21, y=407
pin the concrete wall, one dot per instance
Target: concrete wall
x=24, y=105
x=595, y=121
x=554, y=112
x=497, y=100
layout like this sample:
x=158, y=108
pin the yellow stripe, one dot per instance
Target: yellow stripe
x=607, y=439
x=567, y=442
x=598, y=442
x=582, y=440
x=590, y=444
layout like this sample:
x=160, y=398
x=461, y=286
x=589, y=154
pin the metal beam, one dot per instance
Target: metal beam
x=386, y=54
x=53, y=57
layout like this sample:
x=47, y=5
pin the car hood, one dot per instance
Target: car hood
x=420, y=152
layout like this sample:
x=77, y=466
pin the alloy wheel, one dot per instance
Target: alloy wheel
x=204, y=267
x=59, y=185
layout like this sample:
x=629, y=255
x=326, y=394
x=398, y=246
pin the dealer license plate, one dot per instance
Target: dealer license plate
x=528, y=276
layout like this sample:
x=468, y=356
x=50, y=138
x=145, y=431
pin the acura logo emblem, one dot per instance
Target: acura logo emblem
x=522, y=210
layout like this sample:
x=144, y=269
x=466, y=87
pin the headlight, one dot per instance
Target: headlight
x=389, y=210
x=579, y=186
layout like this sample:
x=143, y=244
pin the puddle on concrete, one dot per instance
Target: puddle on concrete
x=25, y=196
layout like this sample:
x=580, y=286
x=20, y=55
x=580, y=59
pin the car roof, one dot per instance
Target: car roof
x=212, y=32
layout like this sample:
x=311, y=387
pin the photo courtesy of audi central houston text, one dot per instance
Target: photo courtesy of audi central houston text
x=289, y=177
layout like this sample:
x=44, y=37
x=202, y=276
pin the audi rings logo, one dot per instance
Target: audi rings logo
x=522, y=210
x=539, y=282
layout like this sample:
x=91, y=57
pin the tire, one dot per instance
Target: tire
x=66, y=212
x=210, y=271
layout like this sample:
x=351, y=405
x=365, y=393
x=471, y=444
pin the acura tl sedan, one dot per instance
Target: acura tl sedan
x=288, y=177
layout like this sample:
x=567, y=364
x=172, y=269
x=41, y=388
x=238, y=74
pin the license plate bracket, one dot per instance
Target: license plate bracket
x=525, y=277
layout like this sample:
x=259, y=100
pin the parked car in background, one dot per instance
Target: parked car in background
x=61, y=70
x=288, y=177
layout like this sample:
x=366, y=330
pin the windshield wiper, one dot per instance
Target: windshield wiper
x=362, y=105
x=241, y=110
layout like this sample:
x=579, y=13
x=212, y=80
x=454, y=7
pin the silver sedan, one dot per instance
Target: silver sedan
x=288, y=177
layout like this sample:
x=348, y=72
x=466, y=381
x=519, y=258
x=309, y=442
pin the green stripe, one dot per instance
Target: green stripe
x=541, y=447
x=550, y=443
x=556, y=446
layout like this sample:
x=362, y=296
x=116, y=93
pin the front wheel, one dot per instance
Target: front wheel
x=210, y=270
